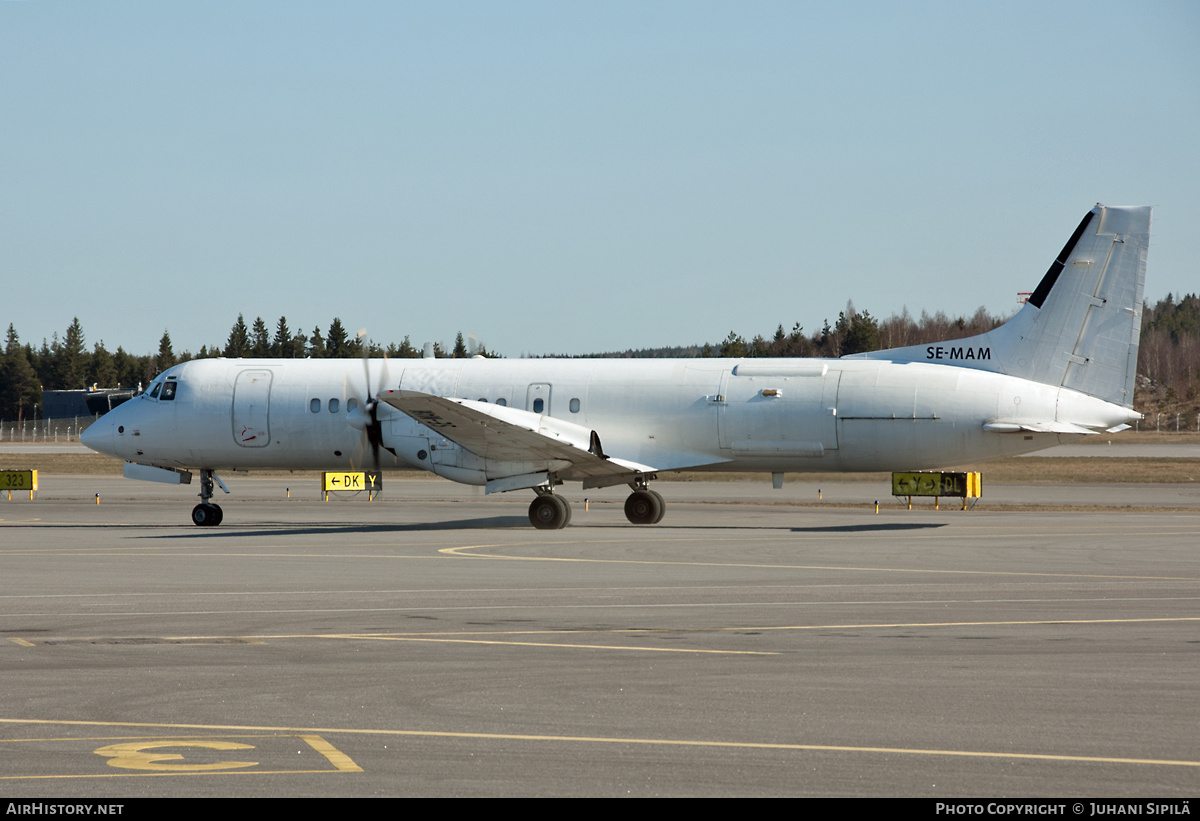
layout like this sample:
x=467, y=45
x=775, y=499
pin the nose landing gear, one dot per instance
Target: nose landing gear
x=206, y=514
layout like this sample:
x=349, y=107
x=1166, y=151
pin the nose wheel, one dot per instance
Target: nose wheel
x=206, y=515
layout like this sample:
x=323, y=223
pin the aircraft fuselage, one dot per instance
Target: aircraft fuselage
x=774, y=415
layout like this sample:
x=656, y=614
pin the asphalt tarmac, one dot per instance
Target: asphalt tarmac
x=756, y=642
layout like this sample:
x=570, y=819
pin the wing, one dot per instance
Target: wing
x=503, y=434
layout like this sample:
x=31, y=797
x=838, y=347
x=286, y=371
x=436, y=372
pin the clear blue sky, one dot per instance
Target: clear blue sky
x=571, y=176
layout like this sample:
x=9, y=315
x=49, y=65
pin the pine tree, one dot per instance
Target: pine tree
x=166, y=356
x=129, y=371
x=734, y=346
x=103, y=373
x=336, y=344
x=70, y=360
x=260, y=344
x=299, y=346
x=281, y=345
x=239, y=340
x=460, y=348
x=861, y=334
x=316, y=344
x=19, y=387
x=404, y=350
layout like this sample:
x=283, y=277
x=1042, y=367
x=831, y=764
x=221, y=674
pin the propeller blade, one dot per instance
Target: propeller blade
x=373, y=427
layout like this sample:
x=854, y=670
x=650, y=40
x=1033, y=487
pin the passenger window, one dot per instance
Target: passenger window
x=574, y=406
x=501, y=401
x=168, y=391
x=539, y=405
x=351, y=405
x=333, y=406
x=315, y=406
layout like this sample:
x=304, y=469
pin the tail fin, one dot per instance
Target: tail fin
x=1080, y=328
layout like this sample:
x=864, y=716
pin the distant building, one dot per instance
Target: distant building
x=70, y=404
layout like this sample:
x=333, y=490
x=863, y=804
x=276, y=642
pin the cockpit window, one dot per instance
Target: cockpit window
x=168, y=391
x=155, y=389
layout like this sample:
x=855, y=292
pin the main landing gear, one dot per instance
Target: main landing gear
x=206, y=514
x=549, y=512
x=645, y=507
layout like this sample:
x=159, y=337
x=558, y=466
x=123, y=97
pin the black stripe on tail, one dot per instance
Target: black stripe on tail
x=1043, y=288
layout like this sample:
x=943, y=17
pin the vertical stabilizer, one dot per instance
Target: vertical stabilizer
x=1080, y=327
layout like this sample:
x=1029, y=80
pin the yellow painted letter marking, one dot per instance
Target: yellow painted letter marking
x=140, y=755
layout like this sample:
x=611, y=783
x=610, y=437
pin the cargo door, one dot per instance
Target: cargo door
x=784, y=409
x=251, y=408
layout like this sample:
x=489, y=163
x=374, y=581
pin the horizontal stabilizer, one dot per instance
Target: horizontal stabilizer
x=1037, y=427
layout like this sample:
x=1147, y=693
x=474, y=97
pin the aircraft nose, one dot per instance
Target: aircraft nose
x=99, y=436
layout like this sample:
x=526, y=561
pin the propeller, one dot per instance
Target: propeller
x=367, y=420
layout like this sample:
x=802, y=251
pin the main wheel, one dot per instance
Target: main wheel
x=205, y=515
x=548, y=512
x=644, y=507
x=662, y=505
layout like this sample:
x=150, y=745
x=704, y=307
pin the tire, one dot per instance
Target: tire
x=548, y=512
x=204, y=515
x=643, y=507
x=662, y=505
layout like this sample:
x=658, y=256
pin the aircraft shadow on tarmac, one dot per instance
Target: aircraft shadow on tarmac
x=503, y=523
x=871, y=528
x=269, y=529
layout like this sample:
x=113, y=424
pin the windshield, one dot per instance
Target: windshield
x=163, y=387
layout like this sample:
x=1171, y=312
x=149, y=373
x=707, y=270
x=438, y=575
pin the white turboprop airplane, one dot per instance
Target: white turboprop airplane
x=1063, y=366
